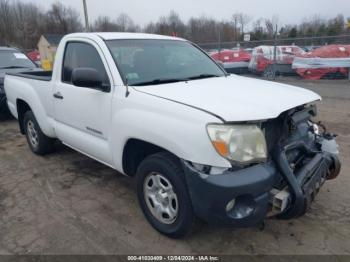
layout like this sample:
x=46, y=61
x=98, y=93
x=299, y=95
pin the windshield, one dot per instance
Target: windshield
x=14, y=59
x=146, y=62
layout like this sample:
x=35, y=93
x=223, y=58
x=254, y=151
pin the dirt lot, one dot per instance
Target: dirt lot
x=66, y=203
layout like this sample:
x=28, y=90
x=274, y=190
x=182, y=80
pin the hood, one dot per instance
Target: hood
x=235, y=98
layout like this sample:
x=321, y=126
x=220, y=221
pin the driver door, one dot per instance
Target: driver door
x=82, y=115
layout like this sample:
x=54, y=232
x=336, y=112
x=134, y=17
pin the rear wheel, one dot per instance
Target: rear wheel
x=163, y=195
x=38, y=142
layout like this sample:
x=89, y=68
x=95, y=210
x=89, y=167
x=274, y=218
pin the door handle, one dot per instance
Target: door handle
x=58, y=95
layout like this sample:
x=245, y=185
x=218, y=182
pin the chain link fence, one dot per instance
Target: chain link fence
x=299, y=41
x=276, y=68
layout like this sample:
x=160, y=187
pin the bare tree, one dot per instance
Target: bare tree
x=6, y=23
x=21, y=25
x=126, y=24
x=168, y=25
x=258, y=32
x=272, y=25
x=27, y=19
x=62, y=20
x=150, y=28
x=176, y=24
x=104, y=24
x=242, y=20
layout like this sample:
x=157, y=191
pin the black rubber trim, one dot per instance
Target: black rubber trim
x=249, y=186
x=28, y=75
x=198, y=108
x=296, y=181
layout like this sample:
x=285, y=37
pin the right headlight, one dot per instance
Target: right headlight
x=239, y=143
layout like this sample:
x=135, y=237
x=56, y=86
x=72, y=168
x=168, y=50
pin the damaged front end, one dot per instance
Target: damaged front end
x=301, y=156
x=305, y=157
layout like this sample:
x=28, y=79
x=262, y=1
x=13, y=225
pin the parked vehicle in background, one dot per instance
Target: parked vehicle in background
x=212, y=51
x=200, y=142
x=234, y=60
x=11, y=60
x=331, y=61
x=248, y=50
x=35, y=57
x=263, y=58
x=310, y=48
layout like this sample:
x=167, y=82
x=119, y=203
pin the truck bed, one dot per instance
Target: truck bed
x=37, y=75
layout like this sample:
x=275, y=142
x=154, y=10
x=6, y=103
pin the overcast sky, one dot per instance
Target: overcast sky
x=144, y=11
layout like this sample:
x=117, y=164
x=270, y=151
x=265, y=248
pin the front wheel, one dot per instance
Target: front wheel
x=163, y=195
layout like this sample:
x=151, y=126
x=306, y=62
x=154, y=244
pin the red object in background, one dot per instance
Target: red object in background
x=289, y=52
x=330, y=51
x=264, y=56
x=231, y=56
x=262, y=61
x=34, y=55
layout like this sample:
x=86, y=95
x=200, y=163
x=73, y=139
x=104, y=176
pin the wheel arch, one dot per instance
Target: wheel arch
x=135, y=151
x=22, y=108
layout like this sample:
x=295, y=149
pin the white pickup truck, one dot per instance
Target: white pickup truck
x=201, y=143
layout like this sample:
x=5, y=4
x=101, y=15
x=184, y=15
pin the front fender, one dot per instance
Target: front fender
x=178, y=128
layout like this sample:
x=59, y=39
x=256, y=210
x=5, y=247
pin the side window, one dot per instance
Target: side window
x=78, y=54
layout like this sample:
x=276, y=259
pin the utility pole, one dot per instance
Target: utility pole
x=87, y=27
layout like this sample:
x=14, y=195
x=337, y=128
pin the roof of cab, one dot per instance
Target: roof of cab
x=116, y=35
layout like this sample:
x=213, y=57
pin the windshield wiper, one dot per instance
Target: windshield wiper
x=173, y=80
x=203, y=76
x=160, y=81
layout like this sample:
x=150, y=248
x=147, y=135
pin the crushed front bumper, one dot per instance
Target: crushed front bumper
x=249, y=189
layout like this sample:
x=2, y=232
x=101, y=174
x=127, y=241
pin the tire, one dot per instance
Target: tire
x=167, y=169
x=38, y=142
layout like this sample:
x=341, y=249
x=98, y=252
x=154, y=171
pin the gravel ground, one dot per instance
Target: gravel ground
x=66, y=203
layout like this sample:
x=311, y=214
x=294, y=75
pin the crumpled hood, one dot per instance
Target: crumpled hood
x=235, y=98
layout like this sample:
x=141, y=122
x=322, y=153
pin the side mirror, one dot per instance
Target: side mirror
x=86, y=77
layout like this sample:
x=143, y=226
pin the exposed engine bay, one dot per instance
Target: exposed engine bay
x=305, y=154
